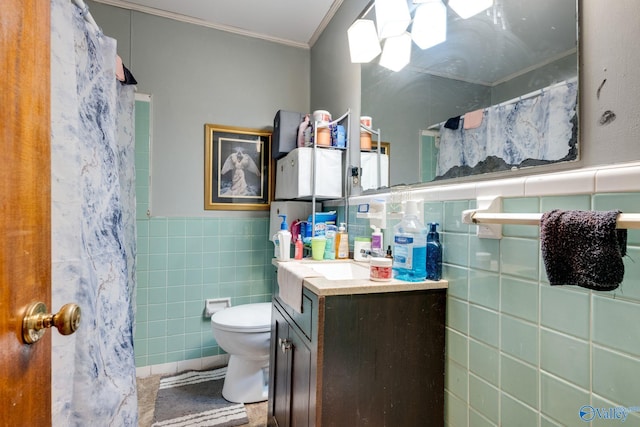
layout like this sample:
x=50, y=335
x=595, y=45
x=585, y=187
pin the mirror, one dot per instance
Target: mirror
x=507, y=54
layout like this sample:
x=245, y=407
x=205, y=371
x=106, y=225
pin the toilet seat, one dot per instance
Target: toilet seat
x=244, y=318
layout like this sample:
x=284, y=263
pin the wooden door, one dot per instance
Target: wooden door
x=25, y=226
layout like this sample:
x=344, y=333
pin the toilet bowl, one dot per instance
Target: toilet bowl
x=244, y=332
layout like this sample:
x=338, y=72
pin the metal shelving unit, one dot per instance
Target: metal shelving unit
x=345, y=120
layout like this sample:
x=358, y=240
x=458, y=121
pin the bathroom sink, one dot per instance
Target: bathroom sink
x=340, y=270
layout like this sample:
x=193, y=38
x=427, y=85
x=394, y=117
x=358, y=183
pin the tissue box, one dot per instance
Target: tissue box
x=285, y=132
x=294, y=173
x=369, y=165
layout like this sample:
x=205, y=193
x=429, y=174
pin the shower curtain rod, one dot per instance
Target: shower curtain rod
x=536, y=92
x=85, y=12
x=624, y=220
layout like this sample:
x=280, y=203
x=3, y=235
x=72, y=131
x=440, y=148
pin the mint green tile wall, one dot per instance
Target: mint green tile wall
x=181, y=261
x=520, y=352
x=428, y=157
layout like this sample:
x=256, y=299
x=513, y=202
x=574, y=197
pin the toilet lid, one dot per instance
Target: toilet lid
x=244, y=318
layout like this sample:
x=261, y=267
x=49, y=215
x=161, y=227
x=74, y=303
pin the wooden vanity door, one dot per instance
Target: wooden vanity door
x=280, y=367
x=300, y=381
x=289, y=398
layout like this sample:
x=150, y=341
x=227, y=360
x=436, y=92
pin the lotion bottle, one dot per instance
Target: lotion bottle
x=376, y=242
x=342, y=242
x=282, y=240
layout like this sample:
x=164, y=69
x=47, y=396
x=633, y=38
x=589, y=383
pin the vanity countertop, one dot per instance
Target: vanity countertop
x=323, y=286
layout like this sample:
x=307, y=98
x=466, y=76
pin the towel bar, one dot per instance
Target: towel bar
x=489, y=218
x=625, y=220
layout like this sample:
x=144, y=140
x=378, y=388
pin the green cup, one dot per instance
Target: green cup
x=317, y=248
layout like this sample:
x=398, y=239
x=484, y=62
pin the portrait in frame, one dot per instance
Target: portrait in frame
x=237, y=168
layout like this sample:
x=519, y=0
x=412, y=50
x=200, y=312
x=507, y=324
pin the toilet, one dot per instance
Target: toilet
x=244, y=332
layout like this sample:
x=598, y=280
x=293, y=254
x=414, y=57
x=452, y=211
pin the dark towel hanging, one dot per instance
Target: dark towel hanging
x=583, y=248
x=453, y=123
x=128, y=77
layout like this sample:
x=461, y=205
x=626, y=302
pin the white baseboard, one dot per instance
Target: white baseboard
x=201, y=364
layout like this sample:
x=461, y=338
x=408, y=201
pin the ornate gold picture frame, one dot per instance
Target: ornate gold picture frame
x=237, y=168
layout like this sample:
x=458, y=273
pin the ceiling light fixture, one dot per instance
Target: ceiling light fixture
x=468, y=8
x=363, y=41
x=392, y=17
x=396, y=52
x=429, y=26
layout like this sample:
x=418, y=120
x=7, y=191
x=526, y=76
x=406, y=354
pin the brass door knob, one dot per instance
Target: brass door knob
x=36, y=321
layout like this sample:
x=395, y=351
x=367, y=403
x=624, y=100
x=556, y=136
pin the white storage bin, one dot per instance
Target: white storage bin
x=294, y=172
x=369, y=165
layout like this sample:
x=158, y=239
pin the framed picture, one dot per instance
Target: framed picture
x=237, y=168
x=385, y=148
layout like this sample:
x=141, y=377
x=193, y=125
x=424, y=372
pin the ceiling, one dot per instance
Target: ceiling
x=495, y=45
x=292, y=22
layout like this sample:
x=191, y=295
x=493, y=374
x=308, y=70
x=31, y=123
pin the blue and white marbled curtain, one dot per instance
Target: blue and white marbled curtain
x=539, y=128
x=93, y=226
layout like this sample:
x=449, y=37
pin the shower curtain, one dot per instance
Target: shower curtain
x=93, y=227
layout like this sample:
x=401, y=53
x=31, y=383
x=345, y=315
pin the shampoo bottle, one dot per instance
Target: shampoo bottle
x=342, y=242
x=376, y=242
x=410, y=246
x=282, y=240
x=434, y=253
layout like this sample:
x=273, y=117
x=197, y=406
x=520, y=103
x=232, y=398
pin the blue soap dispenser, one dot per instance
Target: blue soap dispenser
x=434, y=253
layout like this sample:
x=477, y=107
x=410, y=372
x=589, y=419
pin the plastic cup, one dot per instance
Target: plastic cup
x=317, y=248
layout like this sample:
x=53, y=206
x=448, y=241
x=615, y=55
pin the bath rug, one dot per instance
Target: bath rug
x=194, y=398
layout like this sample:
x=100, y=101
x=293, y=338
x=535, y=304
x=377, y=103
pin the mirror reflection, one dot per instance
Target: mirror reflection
x=513, y=65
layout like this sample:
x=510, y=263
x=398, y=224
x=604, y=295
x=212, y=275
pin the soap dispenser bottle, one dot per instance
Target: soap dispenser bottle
x=376, y=242
x=342, y=242
x=282, y=240
x=434, y=253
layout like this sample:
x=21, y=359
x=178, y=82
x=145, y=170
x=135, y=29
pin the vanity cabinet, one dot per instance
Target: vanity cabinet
x=374, y=359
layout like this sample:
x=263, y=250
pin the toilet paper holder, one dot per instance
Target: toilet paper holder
x=213, y=305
